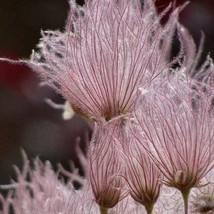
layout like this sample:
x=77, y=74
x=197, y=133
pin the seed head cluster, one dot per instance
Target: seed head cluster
x=152, y=149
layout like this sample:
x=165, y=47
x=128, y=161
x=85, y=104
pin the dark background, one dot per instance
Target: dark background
x=26, y=121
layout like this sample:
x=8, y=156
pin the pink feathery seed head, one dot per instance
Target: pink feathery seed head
x=38, y=189
x=177, y=131
x=107, y=50
x=142, y=176
x=105, y=167
x=189, y=64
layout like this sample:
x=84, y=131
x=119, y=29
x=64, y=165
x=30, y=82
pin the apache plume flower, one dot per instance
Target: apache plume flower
x=39, y=190
x=105, y=168
x=142, y=176
x=109, y=53
x=177, y=131
x=108, y=49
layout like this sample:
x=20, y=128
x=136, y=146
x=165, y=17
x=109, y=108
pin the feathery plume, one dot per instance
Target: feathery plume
x=176, y=129
x=105, y=168
x=142, y=176
x=107, y=50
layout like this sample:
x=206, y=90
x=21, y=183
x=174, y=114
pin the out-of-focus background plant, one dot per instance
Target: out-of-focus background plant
x=26, y=120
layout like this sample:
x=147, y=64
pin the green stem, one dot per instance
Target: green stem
x=103, y=210
x=185, y=195
x=149, y=208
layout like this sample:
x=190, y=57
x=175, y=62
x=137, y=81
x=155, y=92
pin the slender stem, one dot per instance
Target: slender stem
x=149, y=208
x=103, y=210
x=185, y=195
